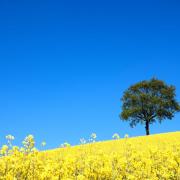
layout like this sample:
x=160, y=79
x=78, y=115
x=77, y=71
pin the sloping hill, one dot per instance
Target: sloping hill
x=146, y=157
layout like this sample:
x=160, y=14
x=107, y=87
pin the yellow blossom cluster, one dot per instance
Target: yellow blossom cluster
x=155, y=157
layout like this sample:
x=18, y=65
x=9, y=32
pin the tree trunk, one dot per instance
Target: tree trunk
x=147, y=127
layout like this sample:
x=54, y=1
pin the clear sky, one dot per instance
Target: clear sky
x=65, y=64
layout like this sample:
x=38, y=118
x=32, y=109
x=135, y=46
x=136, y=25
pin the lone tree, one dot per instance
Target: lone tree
x=147, y=102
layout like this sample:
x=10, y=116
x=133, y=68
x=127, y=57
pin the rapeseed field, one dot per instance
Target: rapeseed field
x=154, y=157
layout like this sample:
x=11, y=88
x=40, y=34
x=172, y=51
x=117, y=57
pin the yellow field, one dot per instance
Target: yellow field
x=153, y=157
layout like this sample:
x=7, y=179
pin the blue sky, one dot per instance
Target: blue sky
x=65, y=64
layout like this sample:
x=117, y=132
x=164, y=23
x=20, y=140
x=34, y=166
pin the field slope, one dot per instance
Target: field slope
x=147, y=157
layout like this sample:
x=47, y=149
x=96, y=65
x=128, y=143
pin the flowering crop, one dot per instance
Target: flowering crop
x=152, y=157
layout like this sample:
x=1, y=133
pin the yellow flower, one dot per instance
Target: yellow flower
x=43, y=143
x=154, y=157
x=116, y=136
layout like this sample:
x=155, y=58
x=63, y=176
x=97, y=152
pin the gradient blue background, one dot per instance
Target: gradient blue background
x=65, y=64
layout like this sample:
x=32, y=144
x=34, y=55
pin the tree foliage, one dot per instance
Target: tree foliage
x=149, y=101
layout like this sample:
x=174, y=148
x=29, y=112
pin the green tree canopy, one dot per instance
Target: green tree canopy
x=149, y=101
